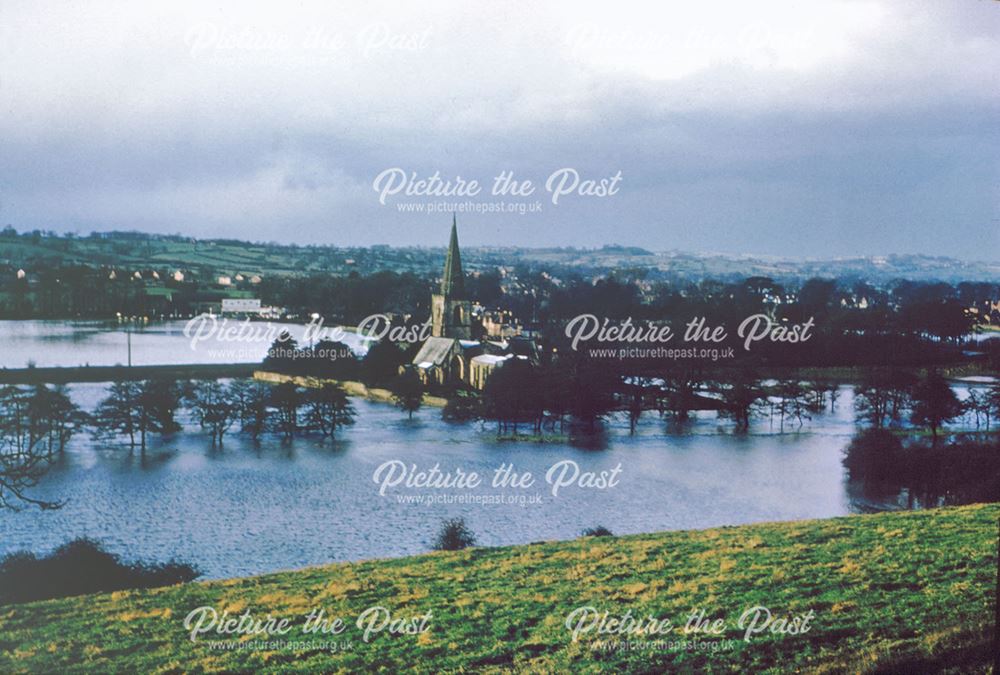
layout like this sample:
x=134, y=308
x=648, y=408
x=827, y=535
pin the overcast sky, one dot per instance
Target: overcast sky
x=800, y=129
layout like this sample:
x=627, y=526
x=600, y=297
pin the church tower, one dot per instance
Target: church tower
x=451, y=312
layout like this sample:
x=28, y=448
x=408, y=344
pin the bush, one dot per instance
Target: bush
x=463, y=407
x=78, y=567
x=454, y=536
x=599, y=531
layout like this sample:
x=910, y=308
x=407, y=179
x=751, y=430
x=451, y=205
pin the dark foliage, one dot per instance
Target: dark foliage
x=79, y=567
x=382, y=363
x=463, y=407
x=454, y=536
x=874, y=454
x=964, y=471
x=408, y=391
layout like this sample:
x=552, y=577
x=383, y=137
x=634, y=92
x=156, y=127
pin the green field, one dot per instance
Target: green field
x=899, y=592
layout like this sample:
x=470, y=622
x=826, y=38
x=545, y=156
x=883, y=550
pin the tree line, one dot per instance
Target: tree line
x=132, y=410
x=520, y=393
x=524, y=394
x=37, y=422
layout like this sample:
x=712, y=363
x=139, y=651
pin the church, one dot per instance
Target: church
x=456, y=354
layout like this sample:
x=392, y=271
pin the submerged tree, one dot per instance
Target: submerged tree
x=678, y=395
x=883, y=396
x=137, y=409
x=15, y=418
x=463, y=407
x=53, y=417
x=792, y=402
x=408, y=391
x=592, y=391
x=934, y=403
x=251, y=401
x=214, y=407
x=158, y=402
x=286, y=399
x=20, y=469
x=117, y=414
x=328, y=408
x=23, y=459
x=637, y=389
x=992, y=397
x=513, y=394
x=557, y=387
x=978, y=404
x=740, y=397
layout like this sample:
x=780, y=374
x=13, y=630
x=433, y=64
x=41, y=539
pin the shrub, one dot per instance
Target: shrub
x=78, y=567
x=454, y=536
x=599, y=531
x=463, y=407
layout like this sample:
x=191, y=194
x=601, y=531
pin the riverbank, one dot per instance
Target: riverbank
x=352, y=387
x=900, y=592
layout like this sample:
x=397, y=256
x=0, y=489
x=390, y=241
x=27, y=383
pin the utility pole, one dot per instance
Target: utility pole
x=128, y=335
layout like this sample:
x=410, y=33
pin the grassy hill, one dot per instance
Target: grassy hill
x=141, y=250
x=898, y=592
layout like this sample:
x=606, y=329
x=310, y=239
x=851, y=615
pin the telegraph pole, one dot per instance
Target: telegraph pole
x=128, y=335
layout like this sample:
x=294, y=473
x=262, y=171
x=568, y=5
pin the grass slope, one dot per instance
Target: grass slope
x=898, y=592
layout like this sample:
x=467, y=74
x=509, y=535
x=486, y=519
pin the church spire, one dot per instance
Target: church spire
x=453, y=281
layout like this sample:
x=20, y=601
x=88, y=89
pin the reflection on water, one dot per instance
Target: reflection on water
x=250, y=508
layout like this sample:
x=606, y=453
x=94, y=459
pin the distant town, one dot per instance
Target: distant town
x=103, y=275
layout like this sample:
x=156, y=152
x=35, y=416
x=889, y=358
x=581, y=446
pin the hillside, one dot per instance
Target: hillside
x=900, y=592
x=36, y=250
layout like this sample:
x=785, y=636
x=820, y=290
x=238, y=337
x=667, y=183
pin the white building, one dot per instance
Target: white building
x=241, y=306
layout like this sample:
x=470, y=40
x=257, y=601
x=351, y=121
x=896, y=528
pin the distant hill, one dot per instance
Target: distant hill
x=140, y=250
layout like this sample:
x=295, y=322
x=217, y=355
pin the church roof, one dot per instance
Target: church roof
x=491, y=359
x=453, y=281
x=435, y=350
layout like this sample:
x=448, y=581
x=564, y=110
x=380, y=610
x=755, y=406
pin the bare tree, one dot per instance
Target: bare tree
x=883, y=397
x=978, y=404
x=214, y=407
x=740, y=396
x=251, y=399
x=286, y=399
x=117, y=414
x=53, y=418
x=136, y=409
x=22, y=461
x=328, y=408
x=21, y=469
